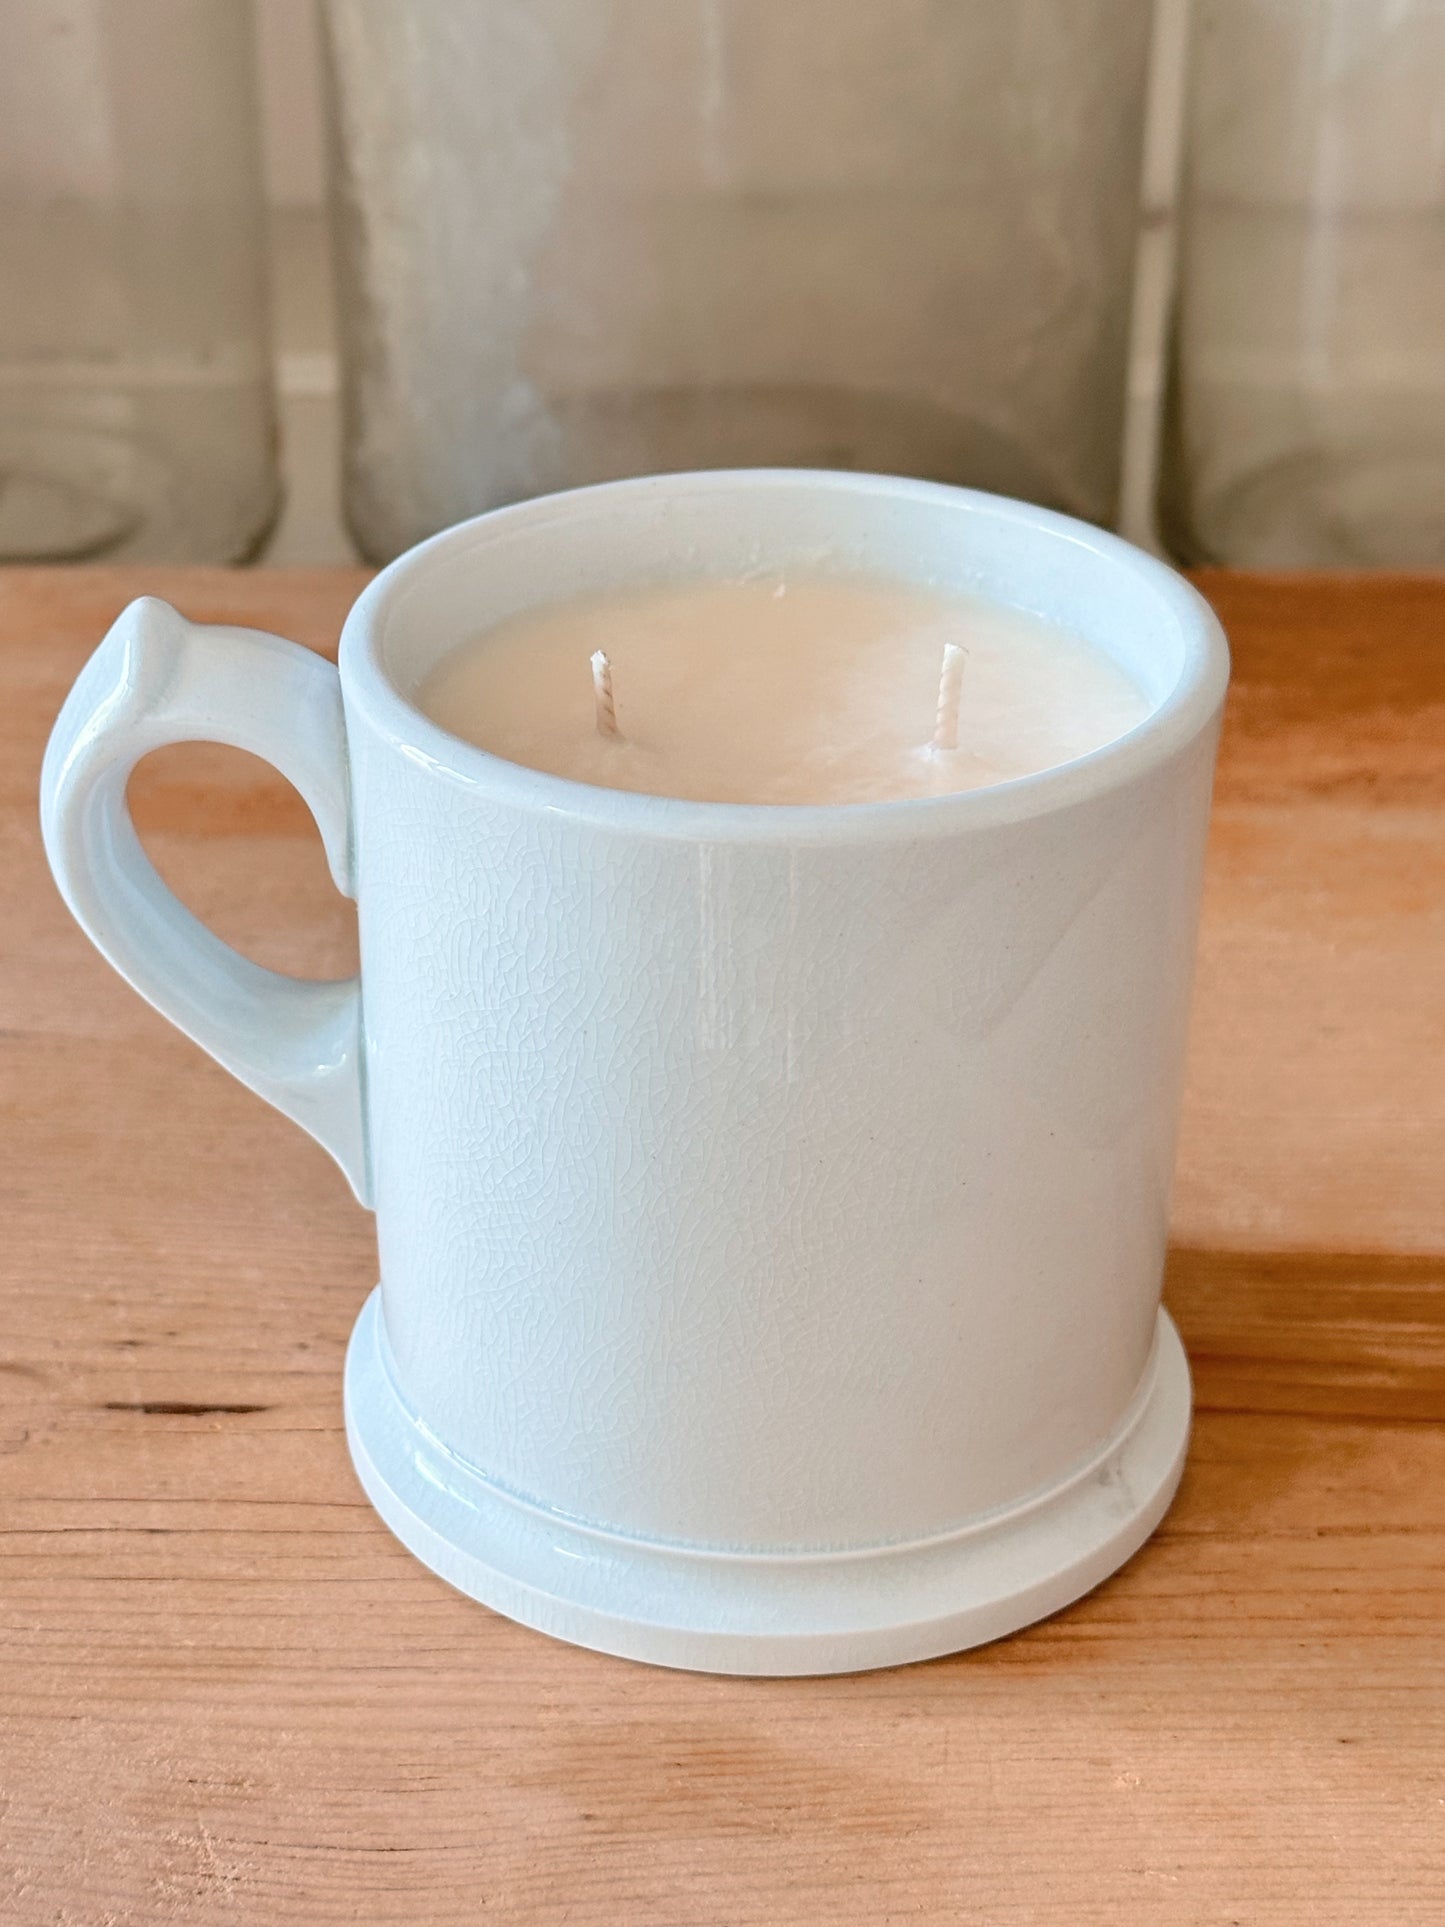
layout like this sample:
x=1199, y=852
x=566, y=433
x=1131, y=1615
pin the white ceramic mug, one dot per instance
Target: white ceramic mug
x=771, y=1201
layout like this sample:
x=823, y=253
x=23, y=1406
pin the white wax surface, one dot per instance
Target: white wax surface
x=796, y=689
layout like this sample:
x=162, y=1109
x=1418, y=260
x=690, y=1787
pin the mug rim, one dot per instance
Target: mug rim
x=1182, y=716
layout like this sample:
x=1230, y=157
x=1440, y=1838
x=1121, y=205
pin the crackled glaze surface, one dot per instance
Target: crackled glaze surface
x=779, y=1196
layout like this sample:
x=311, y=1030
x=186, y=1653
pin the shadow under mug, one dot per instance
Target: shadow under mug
x=771, y=1201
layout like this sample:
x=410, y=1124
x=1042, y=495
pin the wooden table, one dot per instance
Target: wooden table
x=229, y=1696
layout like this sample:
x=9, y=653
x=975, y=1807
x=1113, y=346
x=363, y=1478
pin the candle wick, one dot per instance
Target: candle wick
x=602, y=693
x=950, y=688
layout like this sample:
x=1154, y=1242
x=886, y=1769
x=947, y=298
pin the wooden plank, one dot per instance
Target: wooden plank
x=226, y=1695
x=1315, y=1115
x=1358, y=1334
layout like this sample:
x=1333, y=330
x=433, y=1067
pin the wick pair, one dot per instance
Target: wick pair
x=945, y=727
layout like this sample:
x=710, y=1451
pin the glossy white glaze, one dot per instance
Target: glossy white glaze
x=774, y=1185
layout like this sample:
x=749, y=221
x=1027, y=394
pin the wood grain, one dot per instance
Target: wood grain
x=227, y=1696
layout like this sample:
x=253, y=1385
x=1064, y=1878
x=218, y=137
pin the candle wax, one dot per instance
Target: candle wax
x=784, y=689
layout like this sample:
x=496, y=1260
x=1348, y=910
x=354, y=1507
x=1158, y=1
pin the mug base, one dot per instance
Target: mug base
x=766, y=1614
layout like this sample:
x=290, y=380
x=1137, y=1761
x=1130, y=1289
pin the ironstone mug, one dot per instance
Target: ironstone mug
x=771, y=1201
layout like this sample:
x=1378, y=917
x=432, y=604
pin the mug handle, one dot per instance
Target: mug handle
x=159, y=679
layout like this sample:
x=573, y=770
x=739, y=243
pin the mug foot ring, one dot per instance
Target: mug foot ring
x=782, y=1614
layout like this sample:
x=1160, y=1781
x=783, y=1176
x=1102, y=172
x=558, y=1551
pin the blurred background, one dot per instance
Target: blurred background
x=299, y=283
